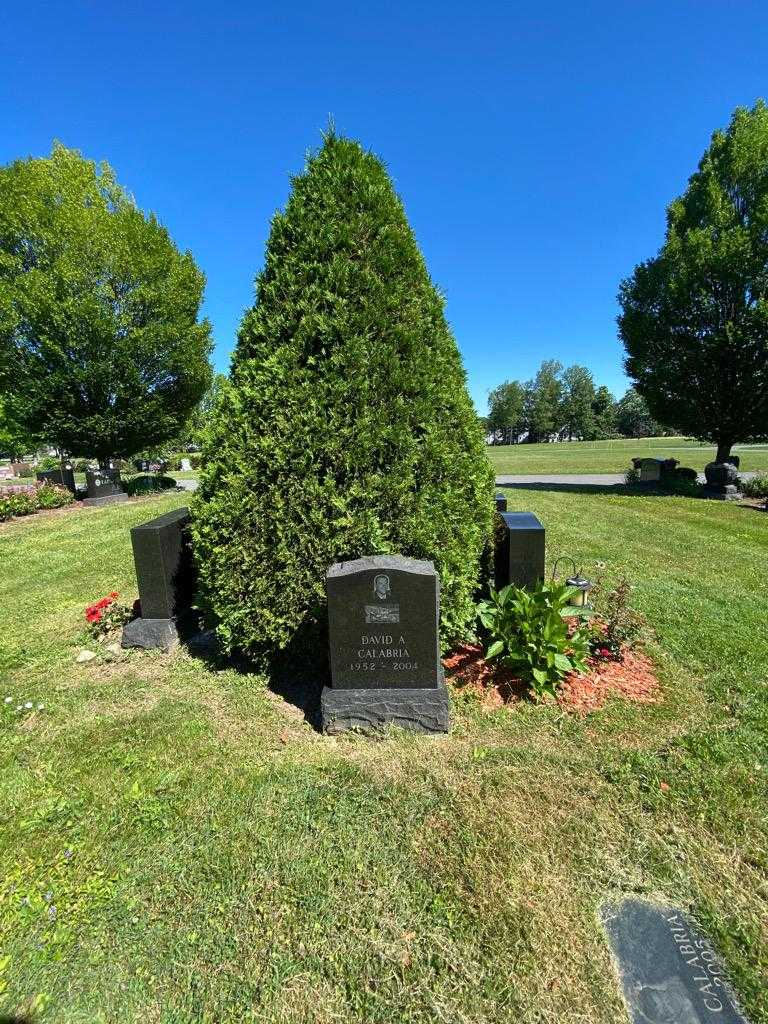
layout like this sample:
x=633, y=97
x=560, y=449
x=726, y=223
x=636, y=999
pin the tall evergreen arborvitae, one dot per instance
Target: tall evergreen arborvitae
x=346, y=428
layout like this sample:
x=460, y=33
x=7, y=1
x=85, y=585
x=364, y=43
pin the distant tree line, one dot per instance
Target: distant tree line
x=564, y=404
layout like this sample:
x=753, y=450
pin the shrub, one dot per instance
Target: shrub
x=617, y=626
x=757, y=487
x=146, y=483
x=346, y=428
x=47, y=462
x=529, y=635
x=53, y=496
x=632, y=477
x=18, y=502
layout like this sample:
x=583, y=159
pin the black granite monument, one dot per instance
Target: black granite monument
x=722, y=480
x=60, y=477
x=103, y=487
x=667, y=969
x=383, y=619
x=519, y=555
x=162, y=555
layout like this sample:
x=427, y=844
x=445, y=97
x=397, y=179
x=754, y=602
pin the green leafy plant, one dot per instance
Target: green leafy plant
x=757, y=487
x=106, y=615
x=617, y=627
x=529, y=634
x=146, y=483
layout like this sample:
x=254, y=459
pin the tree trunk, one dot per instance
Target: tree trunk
x=723, y=450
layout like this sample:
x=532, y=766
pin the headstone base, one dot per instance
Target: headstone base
x=422, y=710
x=722, y=492
x=150, y=634
x=108, y=499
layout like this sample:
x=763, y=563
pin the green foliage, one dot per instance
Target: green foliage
x=347, y=428
x=557, y=404
x=35, y=499
x=633, y=418
x=505, y=418
x=694, y=318
x=529, y=634
x=145, y=483
x=543, y=401
x=101, y=352
x=756, y=487
x=618, y=626
x=15, y=441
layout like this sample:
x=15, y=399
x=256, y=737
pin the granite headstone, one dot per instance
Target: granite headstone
x=162, y=555
x=60, y=477
x=383, y=621
x=668, y=970
x=519, y=554
x=103, y=487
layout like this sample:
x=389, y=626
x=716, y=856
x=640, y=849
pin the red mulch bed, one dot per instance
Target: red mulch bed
x=632, y=678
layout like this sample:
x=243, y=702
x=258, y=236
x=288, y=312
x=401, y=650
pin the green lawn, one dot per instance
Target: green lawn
x=613, y=456
x=211, y=858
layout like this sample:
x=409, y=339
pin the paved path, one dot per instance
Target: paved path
x=577, y=479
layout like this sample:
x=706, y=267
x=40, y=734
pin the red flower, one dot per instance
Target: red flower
x=93, y=615
x=604, y=652
x=115, y=594
x=105, y=602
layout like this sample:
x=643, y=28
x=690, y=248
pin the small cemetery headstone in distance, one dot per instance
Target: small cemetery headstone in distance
x=162, y=555
x=103, y=487
x=668, y=971
x=383, y=619
x=519, y=554
x=722, y=481
x=61, y=477
x=186, y=465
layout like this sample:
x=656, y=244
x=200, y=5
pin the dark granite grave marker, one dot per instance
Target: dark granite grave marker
x=501, y=502
x=519, y=555
x=103, y=487
x=59, y=477
x=162, y=555
x=383, y=618
x=667, y=969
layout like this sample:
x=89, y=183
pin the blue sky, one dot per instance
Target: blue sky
x=535, y=146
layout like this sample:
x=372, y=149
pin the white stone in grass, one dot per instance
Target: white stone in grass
x=85, y=656
x=40, y=707
x=8, y=700
x=114, y=649
x=29, y=705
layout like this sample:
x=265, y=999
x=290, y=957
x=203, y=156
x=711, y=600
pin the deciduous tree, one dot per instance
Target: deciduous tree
x=101, y=349
x=694, y=319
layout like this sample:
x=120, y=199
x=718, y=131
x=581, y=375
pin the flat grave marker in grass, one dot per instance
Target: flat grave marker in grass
x=668, y=971
x=383, y=618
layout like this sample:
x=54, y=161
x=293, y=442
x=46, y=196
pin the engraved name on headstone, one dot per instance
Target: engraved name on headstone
x=668, y=971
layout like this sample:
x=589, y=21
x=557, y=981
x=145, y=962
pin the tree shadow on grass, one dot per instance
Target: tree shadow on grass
x=571, y=488
x=297, y=674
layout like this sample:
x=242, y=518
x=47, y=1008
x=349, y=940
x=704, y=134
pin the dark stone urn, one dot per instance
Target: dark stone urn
x=722, y=481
